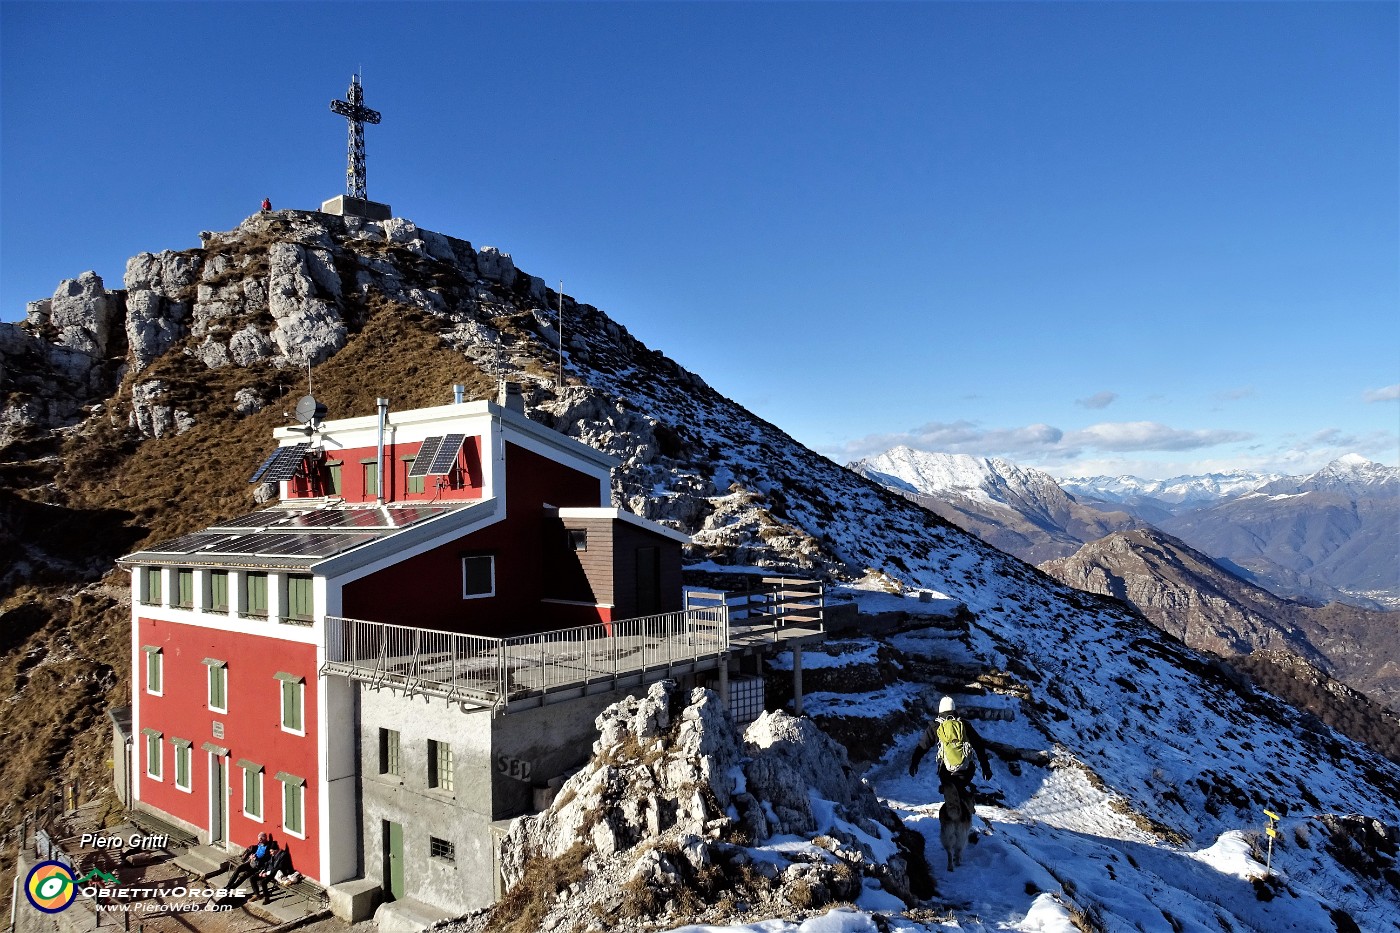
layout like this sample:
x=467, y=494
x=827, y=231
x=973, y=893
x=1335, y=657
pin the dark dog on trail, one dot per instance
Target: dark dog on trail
x=955, y=821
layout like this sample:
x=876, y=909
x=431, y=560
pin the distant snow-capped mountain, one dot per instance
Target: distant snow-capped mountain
x=1179, y=491
x=1017, y=509
x=1351, y=475
x=1333, y=534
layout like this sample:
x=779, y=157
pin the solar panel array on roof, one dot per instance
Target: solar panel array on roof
x=317, y=533
x=426, y=451
x=286, y=466
x=446, y=457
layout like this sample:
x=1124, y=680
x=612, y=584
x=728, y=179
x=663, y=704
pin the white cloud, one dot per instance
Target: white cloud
x=1035, y=443
x=1383, y=394
x=1234, y=395
x=1097, y=400
x=1149, y=435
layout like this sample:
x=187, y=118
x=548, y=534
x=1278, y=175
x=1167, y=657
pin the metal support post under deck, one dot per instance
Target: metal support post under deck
x=724, y=679
x=797, y=680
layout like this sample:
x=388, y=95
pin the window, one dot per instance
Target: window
x=153, y=669
x=478, y=576
x=389, y=751
x=415, y=483
x=150, y=586
x=334, y=467
x=578, y=539
x=252, y=789
x=184, y=588
x=293, y=799
x=300, y=602
x=218, y=591
x=182, y=763
x=292, y=690
x=154, y=752
x=441, y=848
x=371, y=477
x=255, y=595
x=218, y=685
x=440, y=765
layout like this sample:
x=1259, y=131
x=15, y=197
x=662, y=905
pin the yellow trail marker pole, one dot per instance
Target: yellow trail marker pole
x=1272, y=831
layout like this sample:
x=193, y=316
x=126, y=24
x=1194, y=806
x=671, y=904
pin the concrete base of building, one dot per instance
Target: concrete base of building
x=353, y=901
x=203, y=861
x=346, y=206
x=407, y=916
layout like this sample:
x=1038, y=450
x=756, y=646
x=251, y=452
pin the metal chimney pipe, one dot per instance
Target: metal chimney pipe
x=383, y=404
x=459, y=392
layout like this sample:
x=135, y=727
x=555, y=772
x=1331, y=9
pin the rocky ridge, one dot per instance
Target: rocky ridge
x=1184, y=592
x=669, y=819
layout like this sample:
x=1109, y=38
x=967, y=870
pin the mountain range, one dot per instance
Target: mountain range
x=1148, y=761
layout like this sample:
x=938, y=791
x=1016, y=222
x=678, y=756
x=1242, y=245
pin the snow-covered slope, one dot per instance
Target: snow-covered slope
x=1146, y=811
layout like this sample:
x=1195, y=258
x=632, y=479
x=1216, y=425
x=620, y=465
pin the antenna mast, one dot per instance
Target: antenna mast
x=560, y=386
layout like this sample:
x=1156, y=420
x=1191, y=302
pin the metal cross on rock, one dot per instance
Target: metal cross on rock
x=354, y=111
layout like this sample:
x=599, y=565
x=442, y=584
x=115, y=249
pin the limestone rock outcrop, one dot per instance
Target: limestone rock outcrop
x=677, y=807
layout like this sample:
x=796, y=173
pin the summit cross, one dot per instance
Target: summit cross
x=357, y=114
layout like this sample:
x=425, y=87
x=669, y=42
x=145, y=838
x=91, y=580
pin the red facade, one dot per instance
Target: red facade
x=252, y=728
x=426, y=591
x=464, y=482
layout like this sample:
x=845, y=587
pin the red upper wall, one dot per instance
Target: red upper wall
x=464, y=482
x=426, y=591
x=251, y=728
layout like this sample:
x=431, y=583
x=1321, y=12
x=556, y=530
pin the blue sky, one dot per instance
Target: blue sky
x=1098, y=237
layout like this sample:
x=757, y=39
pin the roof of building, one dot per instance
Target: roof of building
x=301, y=535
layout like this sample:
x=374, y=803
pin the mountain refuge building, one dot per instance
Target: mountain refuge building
x=409, y=647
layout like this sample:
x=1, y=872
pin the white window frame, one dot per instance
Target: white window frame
x=152, y=595
x=300, y=682
x=209, y=577
x=222, y=667
x=156, y=741
x=249, y=768
x=298, y=788
x=158, y=665
x=492, y=591
x=183, y=750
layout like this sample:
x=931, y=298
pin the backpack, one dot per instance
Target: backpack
x=954, y=750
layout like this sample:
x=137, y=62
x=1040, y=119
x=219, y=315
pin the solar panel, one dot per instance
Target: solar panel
x=426, y=452
x=446, y=457
x=188, y=544
x=335, y=519
x=257, y=474
x=258, y=519
x=286, y=466
x=310, y=544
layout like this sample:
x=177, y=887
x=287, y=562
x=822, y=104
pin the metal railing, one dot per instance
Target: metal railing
x=490, y=671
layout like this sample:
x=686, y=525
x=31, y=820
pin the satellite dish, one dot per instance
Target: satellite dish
x=309, y=411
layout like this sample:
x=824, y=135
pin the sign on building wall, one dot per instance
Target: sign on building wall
x=513, y=767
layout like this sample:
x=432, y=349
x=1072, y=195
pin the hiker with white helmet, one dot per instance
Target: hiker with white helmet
x=957, y=741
